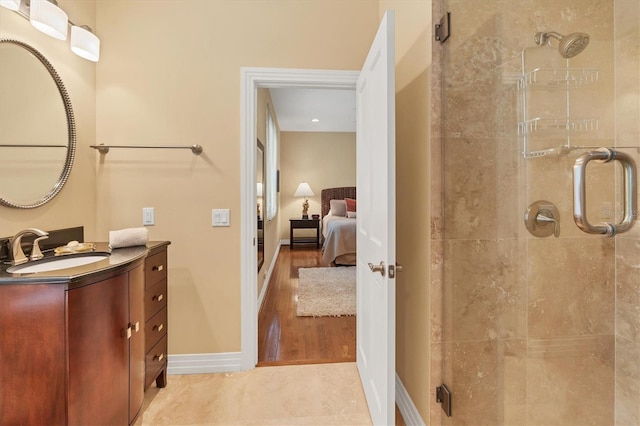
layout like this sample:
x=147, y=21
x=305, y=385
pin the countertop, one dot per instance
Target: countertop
x=119, y=258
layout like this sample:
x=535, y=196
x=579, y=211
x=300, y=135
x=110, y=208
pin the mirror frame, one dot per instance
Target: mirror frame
x=260, y=147
x=71, y=130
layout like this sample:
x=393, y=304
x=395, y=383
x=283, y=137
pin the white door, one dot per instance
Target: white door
x=376, y=224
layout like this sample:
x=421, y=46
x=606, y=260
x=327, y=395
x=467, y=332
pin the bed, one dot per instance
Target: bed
x=338, y=232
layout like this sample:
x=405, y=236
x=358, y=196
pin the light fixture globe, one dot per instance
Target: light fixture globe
x=10, y=4
x=85, y=43
x=47, y=17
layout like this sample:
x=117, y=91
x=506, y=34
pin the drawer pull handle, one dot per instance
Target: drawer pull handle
x=158, y=357
x=157, y=268
x=158, y=327
x=158, y=298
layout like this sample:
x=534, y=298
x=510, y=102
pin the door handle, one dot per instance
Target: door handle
x=604, y=155
x=378, y=268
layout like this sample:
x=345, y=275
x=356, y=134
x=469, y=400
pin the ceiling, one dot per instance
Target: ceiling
x=295, y=108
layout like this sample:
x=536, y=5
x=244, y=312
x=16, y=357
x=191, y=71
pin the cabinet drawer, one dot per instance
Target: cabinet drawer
x=155, y=268
x=156, y=360
x=155, y=298
x=155, y=328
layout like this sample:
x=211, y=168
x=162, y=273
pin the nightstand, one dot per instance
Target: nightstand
x=304, y=224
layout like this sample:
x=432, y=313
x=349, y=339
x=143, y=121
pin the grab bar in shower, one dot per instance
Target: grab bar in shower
x=604, y=155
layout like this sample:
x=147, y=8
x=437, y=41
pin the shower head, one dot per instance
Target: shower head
x=568, y=46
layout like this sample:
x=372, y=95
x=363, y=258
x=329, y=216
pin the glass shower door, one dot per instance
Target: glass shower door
x=537, y=329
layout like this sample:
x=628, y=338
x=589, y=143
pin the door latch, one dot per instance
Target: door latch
x=394, y=269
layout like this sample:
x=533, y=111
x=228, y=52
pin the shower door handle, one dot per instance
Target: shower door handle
x=604, y=155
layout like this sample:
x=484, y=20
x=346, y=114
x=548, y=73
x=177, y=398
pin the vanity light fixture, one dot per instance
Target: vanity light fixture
x=46, y=16
x=10, y=4
x=85, y=43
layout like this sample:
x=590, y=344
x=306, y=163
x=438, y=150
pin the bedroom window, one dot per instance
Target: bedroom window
x=272, y=166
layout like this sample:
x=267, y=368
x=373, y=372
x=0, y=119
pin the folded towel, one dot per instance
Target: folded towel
x=128, y=237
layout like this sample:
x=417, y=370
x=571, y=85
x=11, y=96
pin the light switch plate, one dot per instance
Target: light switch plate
x=148, y=216
x=220, y=217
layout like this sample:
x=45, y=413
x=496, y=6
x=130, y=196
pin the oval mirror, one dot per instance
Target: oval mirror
x=38, y=137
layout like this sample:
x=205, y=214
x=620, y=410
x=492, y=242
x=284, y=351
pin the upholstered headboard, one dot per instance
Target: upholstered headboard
x=328, y=194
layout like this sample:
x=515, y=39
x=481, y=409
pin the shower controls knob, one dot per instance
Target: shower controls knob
x=542, y=219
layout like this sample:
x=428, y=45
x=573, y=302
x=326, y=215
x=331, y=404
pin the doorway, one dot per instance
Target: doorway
x=252, y=80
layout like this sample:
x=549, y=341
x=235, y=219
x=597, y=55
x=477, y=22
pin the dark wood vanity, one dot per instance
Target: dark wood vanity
x=83, y=348
x=155, y=306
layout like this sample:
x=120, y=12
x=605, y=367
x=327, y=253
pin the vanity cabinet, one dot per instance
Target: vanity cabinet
x=82, y=349
x=106, y=350
x=155, y=304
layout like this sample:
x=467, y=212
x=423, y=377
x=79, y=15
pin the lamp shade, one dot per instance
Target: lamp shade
x=49, y=18
x=10, y=4
x=84, y=43
x=304, y=190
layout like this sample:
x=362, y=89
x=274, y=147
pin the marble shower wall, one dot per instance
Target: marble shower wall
x=627, y=320
x=526, y=330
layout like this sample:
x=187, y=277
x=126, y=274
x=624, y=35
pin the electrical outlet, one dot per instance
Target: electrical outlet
x=148, y=216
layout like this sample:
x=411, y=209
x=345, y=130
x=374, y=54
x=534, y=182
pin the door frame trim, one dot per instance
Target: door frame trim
x=251, y=80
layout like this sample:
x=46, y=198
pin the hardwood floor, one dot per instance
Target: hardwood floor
x=284, y=338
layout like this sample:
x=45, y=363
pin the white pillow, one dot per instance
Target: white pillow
x=338, y=208
x=351, y=215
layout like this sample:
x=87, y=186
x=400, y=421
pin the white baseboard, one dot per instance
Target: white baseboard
x=267, y=279
x=204, y=363
x=285, y=242
x=408, y=410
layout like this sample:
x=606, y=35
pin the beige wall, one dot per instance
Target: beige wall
x=271, y=229
x=75, y=204
x=323, y=160
x=170, y=73
x=413, y=126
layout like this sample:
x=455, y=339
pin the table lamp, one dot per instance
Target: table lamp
x=304, y=190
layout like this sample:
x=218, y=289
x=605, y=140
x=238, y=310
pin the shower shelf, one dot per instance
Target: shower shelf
x=549, y=124
x=558, y=78
x=552, y=126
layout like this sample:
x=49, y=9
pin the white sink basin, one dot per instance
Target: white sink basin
x=59, y=263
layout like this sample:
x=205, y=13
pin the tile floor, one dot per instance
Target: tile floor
x=317, y=394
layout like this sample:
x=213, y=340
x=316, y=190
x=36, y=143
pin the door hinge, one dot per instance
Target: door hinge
x=443, y=28
x=443, y=396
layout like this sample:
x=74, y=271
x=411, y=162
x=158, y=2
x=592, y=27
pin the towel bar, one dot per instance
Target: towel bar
x=103, y=149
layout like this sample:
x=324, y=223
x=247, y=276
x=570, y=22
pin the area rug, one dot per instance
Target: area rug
x=326, y=292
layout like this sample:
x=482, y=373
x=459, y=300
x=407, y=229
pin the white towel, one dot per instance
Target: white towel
x=128, y=237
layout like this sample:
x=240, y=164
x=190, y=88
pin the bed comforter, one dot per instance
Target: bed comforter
x=339, y=238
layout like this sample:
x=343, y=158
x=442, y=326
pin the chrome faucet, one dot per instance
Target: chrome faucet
x=17, y=255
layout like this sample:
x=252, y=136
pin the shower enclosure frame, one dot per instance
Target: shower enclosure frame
x=579, y=365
